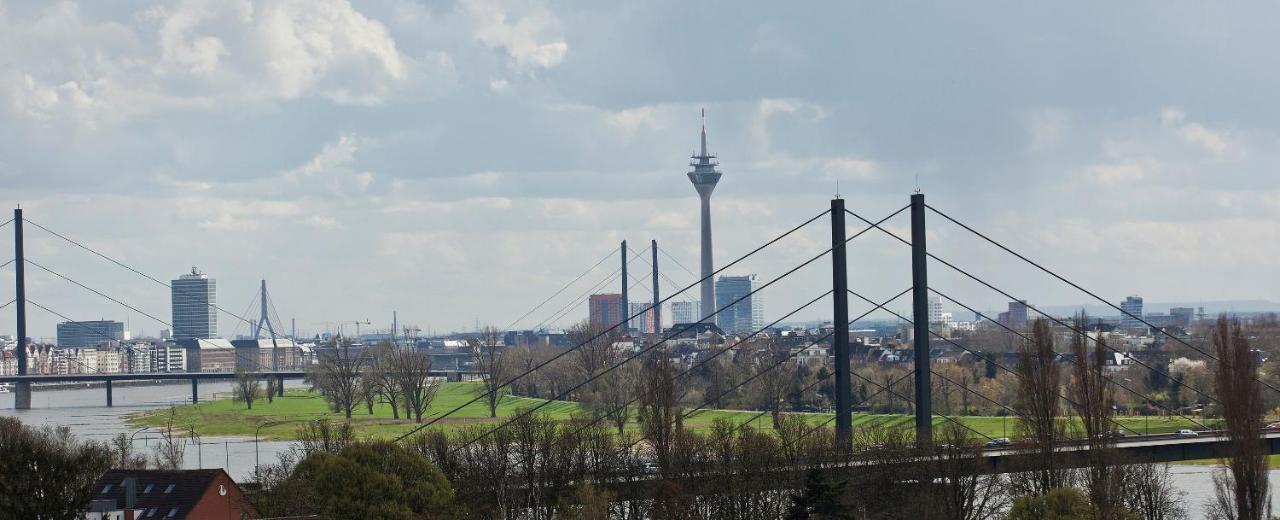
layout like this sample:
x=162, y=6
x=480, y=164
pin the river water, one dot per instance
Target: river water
x=85, y=413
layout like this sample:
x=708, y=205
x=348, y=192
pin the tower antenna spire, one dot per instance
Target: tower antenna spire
x=704, y=132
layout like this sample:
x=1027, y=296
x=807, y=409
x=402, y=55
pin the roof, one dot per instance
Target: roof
x=154, y=489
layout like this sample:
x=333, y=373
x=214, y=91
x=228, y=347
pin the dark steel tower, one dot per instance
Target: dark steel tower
x=704, y=177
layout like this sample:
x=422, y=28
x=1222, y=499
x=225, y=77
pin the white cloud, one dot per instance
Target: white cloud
x=1220, y=143
x=1117, y=173
x=531, y=39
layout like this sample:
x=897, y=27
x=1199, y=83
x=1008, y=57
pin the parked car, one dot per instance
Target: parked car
x=1186, y=433
x=1274, y=426
x=999, y=442
x=1114, y=434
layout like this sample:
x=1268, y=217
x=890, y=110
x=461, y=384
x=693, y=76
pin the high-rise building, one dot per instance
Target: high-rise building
x=643, y=322
x=1132, y=312
x=89, y=333
x=1016, y=316
x=685, y=312
x=605, y=309
x=935, y=309
x=1182, y=316
x=193, y=298
x=745, y=316
x=704, y=178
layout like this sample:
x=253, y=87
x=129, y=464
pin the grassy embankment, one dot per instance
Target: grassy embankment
x=224, y=417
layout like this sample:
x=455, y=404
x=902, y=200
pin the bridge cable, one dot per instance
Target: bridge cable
x=125, y=266
x=6, y=264
x=651, y=347
x=564, y=287
x=615, y=326
x=96, y=370
x=1035, y=309
x=135, y=309
x=1076, y=286
x=1065, y=398
x=1081, y=332
x=10, y=302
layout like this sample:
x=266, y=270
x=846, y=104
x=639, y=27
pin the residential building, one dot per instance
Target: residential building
x=605, y=309
x=935, y=310
x=194, y=298
x=191, y=494
x=745, y=316
x=1131, y=317
x=685, y=312
x=89, y=333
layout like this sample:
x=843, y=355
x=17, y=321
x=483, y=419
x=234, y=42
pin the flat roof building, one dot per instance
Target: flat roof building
x=193, y=298
x=89, y=333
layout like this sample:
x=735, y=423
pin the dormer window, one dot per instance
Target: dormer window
x=168, y=489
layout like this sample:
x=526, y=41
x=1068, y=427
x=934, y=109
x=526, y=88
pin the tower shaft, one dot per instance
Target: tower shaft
x=708, y=264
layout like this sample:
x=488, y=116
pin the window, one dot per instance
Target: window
x=168, y=489
x=173, y=512
x=106, y=489
x=147, y=489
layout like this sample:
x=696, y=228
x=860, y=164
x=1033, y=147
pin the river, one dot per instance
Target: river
x=83, y=411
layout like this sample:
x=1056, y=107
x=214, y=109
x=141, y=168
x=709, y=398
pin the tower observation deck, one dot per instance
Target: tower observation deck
x=704, y=177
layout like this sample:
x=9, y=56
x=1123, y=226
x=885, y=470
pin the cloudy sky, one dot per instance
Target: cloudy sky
x=460, y=161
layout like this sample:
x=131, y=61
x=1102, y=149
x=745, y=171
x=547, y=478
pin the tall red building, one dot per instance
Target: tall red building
x=605, y=309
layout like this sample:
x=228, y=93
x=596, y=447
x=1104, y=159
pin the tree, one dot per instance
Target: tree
x=1037, y=405
x=123, y=455
x=1093, y=402
x=365, y=480
x=962, y=489
x=380, y=377
x=773, y=380
x=248, y=387
x=337, y=376
x=611, y=396
x=171, y=451
x=1242, y=489
x=1056, y=504
x=659, y=409
x=411, y=376
x=1149, y=491
x=494, y=365
x=46, y=473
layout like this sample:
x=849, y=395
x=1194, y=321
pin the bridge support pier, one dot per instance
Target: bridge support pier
x=109, y=400
x=22, y=395
x=279, y=386
x=840, y=324
x=195, y=391
x=920, y=321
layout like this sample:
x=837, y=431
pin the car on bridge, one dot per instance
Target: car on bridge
x=1186, y=433
x=1273, y=426
x=999, y=442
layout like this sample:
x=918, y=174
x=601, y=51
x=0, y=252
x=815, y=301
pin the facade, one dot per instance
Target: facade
x=605, y=310
x=1132, y=307
x=935, y=310
x=1182, y=316
x=685, y=312
x=745, y=316
x=1016, y=316
x=89, y=333
x=263, y=354
x=209, y=355
x=193, y=298
x=704, y=177
x=644, y=322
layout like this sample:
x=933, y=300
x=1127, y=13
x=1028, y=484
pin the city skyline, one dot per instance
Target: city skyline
x=475, y=128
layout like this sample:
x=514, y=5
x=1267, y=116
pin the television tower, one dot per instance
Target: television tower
x=704, y=177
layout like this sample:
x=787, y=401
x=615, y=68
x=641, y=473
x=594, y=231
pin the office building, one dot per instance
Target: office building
x=89, y=333
x=1016, y=316
x=745, y=316
x=644, y=322
x=1182, y=316
x=605, y=310
x=704, y=177
x=1131, y=316
x=685, y=312
x=193, y=298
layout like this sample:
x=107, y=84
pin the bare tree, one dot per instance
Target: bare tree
x=609, y=397
x=381, y=376
x=171, y=451
x=1037, y=405
x=964, y=491
x=1149, y=491
x=248, y=387
x=411, y=376
x=1242, y=489
x=337, y=376
x=493, y=363
x=1093, y=402
x=773, y=379
x=659, y=410
x=123, y=456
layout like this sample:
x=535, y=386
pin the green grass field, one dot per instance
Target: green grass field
x=224, y=417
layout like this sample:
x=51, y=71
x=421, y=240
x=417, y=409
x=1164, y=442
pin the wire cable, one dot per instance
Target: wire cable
x=563, y=288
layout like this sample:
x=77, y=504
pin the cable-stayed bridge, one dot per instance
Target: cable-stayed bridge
x=838, y=295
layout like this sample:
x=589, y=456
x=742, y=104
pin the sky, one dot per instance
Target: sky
x=459, y=162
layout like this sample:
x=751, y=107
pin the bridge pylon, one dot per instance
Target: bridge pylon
x=21, y=389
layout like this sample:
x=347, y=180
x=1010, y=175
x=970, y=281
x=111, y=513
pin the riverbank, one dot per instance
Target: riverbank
x=279, y=419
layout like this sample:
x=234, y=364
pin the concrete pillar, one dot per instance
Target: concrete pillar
x=109, y=403
x=195, y=391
